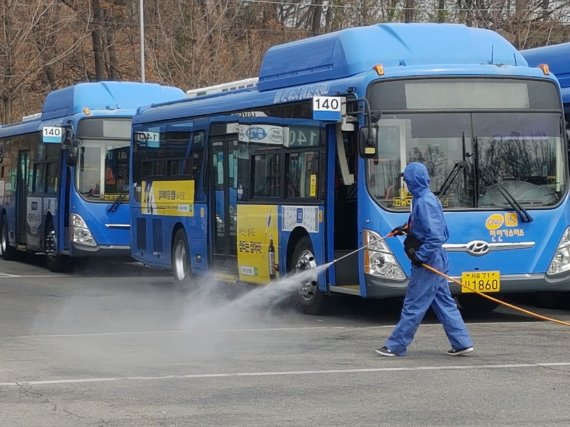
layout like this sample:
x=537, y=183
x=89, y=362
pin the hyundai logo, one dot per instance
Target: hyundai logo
x=478, y=247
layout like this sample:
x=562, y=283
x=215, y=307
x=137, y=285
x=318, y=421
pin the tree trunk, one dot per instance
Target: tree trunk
x=317, y=13
x=409, y=6
x=441, y=11
x=96, y=36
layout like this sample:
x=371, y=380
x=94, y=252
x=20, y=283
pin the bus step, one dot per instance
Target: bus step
x=346, y=269
x=346, y=289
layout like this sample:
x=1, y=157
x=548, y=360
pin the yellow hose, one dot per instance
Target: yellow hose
x=506, y=304
x=451, y=279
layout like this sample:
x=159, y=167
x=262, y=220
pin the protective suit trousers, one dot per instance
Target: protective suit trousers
x=424, y=290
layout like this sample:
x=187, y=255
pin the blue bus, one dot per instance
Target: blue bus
x=557, y=57
x=304, y=167
x=64, y=172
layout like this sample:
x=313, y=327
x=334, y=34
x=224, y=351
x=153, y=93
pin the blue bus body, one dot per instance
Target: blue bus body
x=454, y=97
x=557, y=57
x=46, y=203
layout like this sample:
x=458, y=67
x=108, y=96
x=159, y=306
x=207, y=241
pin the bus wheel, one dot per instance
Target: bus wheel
x=8, y=252
x=309, y=299
x=180, y=265
x=476, y=304
x=55, y=262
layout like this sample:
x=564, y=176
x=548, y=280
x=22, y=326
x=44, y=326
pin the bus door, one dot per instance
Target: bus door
x=343, y=162
x=223, y=195
x=21, y=195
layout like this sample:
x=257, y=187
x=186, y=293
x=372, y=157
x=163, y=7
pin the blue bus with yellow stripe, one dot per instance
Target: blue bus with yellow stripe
x=64, y=172
x=304, y=166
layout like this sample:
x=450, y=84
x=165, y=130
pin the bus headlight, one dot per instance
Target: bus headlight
x=378, y=258
x=80, y=233
x=561, y=260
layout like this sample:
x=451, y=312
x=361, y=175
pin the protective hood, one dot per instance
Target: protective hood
x=417, y=178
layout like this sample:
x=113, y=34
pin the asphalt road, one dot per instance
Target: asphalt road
x=115, y=344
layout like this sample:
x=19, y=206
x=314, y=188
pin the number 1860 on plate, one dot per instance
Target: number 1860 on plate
x=481, y=281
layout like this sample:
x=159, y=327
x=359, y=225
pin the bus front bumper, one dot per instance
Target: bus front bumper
x=510, y=284
x=100, y=251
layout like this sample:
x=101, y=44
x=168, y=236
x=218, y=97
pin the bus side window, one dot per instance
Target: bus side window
x=52, y=168
x=266, y=174
x=302, y=174
x=311, y=175
x=38, y=178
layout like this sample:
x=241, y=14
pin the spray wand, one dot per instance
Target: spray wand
x=362, y=248
x=451, y=279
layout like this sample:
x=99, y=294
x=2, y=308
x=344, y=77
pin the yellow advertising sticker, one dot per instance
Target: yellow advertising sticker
x=169, y=198
x=313, y=186
x=494, y=222
x=511, y=219
x=257, y=243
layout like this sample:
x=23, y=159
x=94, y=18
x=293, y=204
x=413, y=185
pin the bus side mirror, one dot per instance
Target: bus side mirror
x=367, y=141
x=71, y=149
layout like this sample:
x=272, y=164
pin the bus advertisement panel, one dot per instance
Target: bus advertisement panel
x=64, y=173
x=305, y=166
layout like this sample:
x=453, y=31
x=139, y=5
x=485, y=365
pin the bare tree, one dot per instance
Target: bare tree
x=46, y=44
x=30, y=52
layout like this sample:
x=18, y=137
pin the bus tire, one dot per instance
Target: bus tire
x=181, y=269
x=8, y=251
x=55, y=262
x=309, y=299
x=473, y=304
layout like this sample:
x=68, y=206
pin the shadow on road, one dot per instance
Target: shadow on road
x=116, y=266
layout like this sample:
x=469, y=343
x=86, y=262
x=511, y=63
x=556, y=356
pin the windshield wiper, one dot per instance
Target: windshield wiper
x=122, y=196
x=523, y=214
x=457, y=169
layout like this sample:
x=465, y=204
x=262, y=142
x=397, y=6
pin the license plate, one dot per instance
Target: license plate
x=482, y=281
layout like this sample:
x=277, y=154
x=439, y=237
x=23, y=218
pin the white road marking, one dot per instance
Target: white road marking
x=282, y=373
x=242, y=330
x=237, y=330
x=59, y=275
x=30, y=276
x=8, y=275
x=190, y=331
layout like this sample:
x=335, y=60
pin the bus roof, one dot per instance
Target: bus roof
x=223, y=87
x=331, y=63
x=557, y=56
x=354, y=50
x=20, y=128
x=106, y=95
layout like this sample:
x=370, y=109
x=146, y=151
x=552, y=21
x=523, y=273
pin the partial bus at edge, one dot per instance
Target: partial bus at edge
x=557, y=58
x=255, y=183
x=64, y=173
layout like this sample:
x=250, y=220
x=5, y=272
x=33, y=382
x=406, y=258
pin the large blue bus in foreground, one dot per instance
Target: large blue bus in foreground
x=557, y=57
x=64, y=172
x=305, y=166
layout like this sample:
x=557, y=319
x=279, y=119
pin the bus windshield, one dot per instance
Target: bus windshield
x=474, y=158
x=103, y=168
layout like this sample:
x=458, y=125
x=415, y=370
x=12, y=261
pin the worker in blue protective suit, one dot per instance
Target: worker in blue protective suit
x=426, y=232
